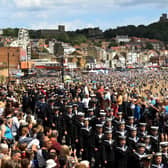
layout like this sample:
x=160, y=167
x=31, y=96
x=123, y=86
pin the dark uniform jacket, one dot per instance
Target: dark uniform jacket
x=121, y=156
x=108, y=152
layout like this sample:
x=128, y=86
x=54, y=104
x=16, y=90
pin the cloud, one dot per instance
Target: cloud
x=44, y=4
x=35, y=4
x=69, y=25
x=79, y=13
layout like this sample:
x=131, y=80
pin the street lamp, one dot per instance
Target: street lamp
x=62, y=68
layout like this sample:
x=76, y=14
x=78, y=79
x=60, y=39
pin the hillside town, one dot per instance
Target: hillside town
x=120, y=52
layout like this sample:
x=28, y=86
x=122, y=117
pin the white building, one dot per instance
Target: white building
x=1, y=31
x=51, y=47
x=68, y=49
x=122, y=39
x=132, y=58
x=23, y=41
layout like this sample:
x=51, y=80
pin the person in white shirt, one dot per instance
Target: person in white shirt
x=85, y=101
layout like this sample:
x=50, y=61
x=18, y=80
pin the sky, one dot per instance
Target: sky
x=78, y=14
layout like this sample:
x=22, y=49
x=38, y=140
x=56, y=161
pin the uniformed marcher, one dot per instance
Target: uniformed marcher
x=92, y=118
x=121, y=130
x=108, y=150
x=118, y=119
x=50, y=112
x=98, y=139
x=147, y=142
x=68, y=125
x=158, y=161
x=121, y=153
x=135, y=158
x=86, y=141
x=133, y=139
x=164, y=148
x=78, y=124
x=55, y=117
x=142, y=131
x=154, y=138
x=75, y=109
x=108, y=124
x=130, y=123
x=26, y=101
x=102, y=117
x=146, y=161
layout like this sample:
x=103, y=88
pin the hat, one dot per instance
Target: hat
x=86, y=119
x=140, y=145
x=142, y=124
x=80, y=114
x=90, y=110
x=101, y=111
x=164, y=144
x=146, y=136
x=130, y=117
x=109, y=131
x=122, y=137
x=56, y=107
x=154, y=128
x=102, y=114
x=99, y=125
x=108, y=119
x=147, y=157
x=133, y=129
x=121, y=122
x=119, y=113
x=69, y=106
x=158, y=154
x=92, y=95
x=75, y=105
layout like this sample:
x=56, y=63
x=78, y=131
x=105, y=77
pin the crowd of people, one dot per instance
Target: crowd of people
x=107, y=120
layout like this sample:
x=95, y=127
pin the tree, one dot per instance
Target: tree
x=63, y=37
x=77, y=39
x=11, y=32
x=156, y=30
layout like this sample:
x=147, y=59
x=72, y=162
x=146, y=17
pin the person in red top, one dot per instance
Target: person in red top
x=56, y=145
